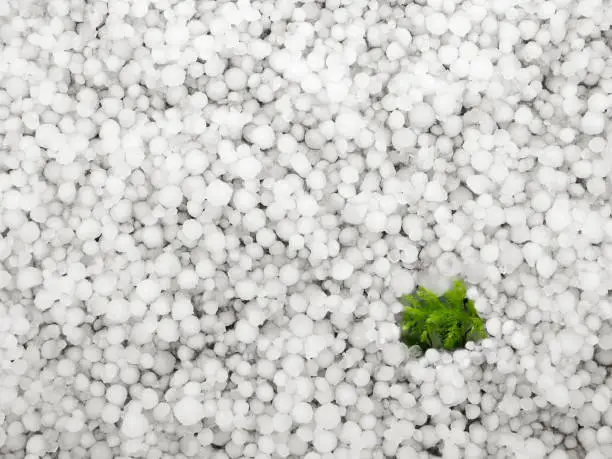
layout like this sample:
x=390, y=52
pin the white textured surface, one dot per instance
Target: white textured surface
x=209, y=208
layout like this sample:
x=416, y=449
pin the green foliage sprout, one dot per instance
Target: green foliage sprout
x=440, y=322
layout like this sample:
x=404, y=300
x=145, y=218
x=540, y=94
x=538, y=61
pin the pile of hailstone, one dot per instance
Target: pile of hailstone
x=208, y=209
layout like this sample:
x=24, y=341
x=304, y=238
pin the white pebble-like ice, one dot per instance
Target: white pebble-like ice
x=134, y=423
x=188, y=411
x=219, y=193
x=209, y=210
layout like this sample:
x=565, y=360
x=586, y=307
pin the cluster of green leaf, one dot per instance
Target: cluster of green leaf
x=441, y=322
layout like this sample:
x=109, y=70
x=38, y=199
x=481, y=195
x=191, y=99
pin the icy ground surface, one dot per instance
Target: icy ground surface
x=208, y=210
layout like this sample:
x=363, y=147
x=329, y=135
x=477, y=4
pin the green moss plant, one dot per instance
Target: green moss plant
x=440, y=322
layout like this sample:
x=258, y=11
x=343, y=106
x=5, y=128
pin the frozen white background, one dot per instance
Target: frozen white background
x=209, y=208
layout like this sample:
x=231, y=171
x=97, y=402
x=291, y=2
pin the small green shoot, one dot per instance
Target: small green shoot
x=441, y=322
